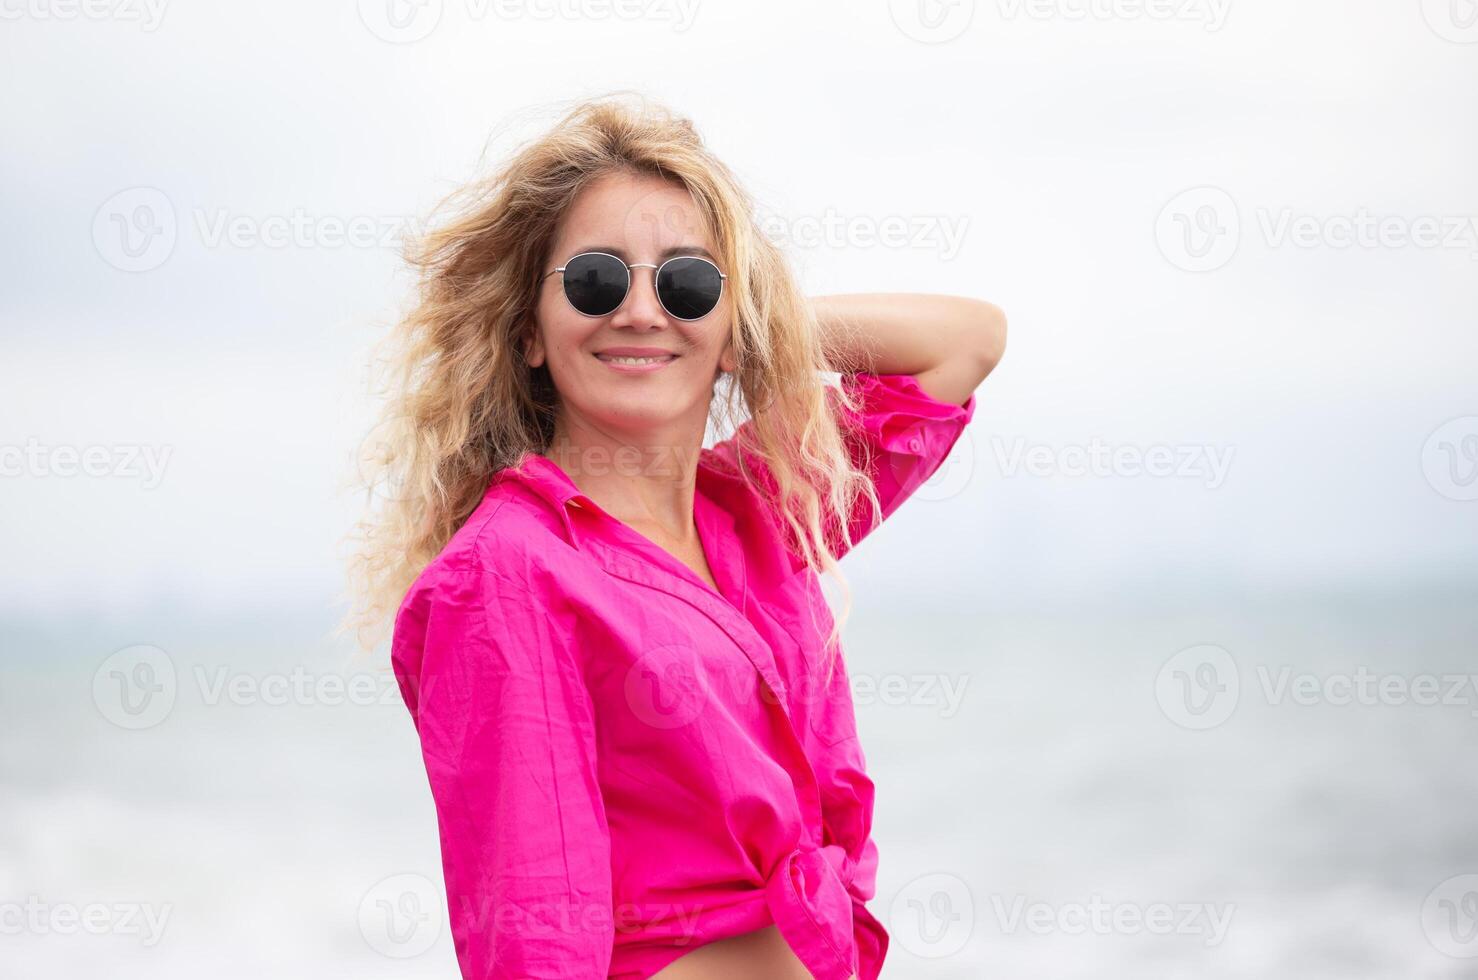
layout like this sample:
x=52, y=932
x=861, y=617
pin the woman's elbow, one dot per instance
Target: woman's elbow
x=989, y=339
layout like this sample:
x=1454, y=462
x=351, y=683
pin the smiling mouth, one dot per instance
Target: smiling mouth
x=619, y=359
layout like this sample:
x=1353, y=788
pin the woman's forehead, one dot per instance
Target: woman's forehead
x=634, y=214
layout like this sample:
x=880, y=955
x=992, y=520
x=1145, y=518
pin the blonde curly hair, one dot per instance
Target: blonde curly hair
x=463, y=404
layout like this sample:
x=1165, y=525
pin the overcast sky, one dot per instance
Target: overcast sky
x=1243, y=232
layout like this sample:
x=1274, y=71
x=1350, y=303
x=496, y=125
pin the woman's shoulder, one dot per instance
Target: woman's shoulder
x=492, y=576
x=508, y=537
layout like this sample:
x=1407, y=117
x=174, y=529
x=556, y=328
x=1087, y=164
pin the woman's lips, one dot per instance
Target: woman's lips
x=627, y=364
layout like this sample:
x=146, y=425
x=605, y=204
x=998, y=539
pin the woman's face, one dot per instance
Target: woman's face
x=638, y=219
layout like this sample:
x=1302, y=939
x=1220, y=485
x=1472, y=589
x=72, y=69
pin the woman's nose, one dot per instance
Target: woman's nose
x=642, y=308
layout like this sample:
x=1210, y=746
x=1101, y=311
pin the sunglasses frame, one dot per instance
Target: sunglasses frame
x=656, y=271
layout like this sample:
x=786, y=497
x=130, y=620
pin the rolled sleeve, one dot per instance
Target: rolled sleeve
x=900, y=436
x=507, y=736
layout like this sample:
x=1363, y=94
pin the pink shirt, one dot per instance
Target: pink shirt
x=627, y=764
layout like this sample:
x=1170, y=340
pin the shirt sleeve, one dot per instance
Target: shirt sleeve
x=899, y=436
x=847, y=795
x=902, y=435
x=507, y=736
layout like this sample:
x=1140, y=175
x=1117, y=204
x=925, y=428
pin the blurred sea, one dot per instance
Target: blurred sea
x=1032, y=766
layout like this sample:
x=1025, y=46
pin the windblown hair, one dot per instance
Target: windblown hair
x=463, y=403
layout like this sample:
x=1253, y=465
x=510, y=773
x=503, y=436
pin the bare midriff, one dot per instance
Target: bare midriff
x=762, y=953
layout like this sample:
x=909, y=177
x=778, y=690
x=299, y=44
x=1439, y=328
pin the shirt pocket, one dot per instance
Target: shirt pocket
x=831, y=715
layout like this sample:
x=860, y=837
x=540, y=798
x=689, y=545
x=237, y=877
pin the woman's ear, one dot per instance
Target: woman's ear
x=533, y=348
x=727, y=362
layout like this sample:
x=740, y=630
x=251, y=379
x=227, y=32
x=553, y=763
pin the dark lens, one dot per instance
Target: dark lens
x=689, y=288
x=595, y=283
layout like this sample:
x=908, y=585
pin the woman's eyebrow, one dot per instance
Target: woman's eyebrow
x=666, y=253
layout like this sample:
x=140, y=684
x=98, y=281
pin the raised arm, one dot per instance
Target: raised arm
x=949, y=344
x=913, y=363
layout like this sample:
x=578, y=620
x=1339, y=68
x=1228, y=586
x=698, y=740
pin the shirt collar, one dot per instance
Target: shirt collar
x=546, y=478
x=544, y=475
x=715, y=523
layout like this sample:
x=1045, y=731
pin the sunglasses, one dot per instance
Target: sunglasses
x=596, y=284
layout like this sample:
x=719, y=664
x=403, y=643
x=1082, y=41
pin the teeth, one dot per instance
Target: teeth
x=635, y=360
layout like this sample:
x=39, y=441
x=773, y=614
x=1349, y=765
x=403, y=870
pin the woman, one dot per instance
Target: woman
x=626, y=682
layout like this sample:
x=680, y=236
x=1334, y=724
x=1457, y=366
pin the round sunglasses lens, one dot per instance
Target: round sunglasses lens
x=689, y=288
x=595, y=284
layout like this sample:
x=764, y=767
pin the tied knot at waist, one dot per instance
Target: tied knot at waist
x=808, y=898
